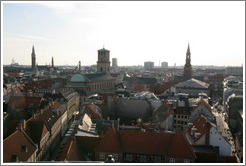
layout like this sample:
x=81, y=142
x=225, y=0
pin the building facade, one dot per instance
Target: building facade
x=148, y=65
x=114, y=62
x=164, y=65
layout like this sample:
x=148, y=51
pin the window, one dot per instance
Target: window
x=101, y=156
x=143, y=158
x=128, y=157
x=14, y=158
x=186, y=160
x=157, y=159
x=172, y=160
x=24, y=148
x=115, y=156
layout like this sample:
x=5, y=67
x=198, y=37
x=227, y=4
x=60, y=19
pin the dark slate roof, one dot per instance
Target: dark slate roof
x=68, y=93
x=103, y=49
x=18, y=144
x=98, y=77
x=203, y=149
x=140, y=80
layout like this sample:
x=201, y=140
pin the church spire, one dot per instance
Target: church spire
x=188, y=55
x=187, y=67
x=33, y=57
x=52, y=62
x=33, y=50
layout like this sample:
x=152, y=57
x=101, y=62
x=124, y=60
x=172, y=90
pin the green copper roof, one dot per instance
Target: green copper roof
x=28, y=73
x=103, y=49
x=77, y=78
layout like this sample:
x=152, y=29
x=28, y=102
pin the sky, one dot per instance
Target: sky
x=134, y=32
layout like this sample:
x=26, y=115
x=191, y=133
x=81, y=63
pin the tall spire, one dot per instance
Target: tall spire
x=33, y=57
x=52, y=62
x=187, y=67
x=33, y=50
x=188, y=55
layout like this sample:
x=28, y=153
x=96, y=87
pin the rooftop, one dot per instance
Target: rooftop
x=103, y=49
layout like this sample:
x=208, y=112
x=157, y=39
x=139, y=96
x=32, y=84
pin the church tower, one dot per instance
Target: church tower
x=33, y=55
x=187, y=67
x=103, y=63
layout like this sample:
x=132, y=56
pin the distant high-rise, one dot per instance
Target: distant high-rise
x=187, y=67
x=103, y=63
x=148, y=65
x=52, y=62
x=164, y=65
x=114, y=62
x=33, y=55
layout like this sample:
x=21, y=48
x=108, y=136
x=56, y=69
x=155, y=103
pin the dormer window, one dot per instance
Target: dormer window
x=23, y=148
x=14, y=158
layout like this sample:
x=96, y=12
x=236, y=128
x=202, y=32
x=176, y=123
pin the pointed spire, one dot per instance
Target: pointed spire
x=188, y=49
x=33, y=50
x=52, y=62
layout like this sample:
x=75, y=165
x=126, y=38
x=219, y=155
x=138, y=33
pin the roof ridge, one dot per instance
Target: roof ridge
x=29, y=138
x=10, y=136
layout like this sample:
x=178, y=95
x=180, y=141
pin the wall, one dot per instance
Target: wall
x=216, y=139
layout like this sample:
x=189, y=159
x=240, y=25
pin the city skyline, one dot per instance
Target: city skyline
x=74, y=31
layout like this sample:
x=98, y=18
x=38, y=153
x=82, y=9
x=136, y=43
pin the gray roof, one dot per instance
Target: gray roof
x=192, y=83
x=140, y=80
x=103, y=49
x=94, y=77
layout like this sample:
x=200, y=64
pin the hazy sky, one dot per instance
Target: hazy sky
x=134, y=32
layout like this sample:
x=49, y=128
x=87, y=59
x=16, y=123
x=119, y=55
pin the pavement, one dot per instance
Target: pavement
x=223, y=127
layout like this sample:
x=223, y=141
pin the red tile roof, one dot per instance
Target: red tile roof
x=179, y=142
x=202, y=125
x=203, y=102
x=24, y=102
x=55, y=105
x=130, y=141
x=36, y=129
x=88, y=144
x=78, y=145
x=71, y=152
x=93, y=111
x=110, y=142
x=12, y=126
x=18, y=144
x=14, y=74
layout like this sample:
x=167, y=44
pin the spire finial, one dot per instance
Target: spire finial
x=103, y=46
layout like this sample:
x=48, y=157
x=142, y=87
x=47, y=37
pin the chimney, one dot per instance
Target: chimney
x=24, y=124
x=193, y=130
x=118, y=123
